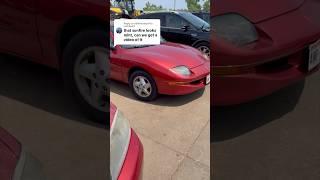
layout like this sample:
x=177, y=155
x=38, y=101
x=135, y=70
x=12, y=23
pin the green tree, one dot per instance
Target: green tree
x=193, y=5
x=152, y=7
x=206, y=6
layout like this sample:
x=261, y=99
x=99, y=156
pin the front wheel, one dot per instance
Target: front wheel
x=204, y=48
x=143, y=86
x=85, y=71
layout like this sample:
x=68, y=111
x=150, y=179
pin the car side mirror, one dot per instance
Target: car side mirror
x=185, y=28
x=115, y=48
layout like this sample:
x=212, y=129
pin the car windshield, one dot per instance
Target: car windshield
x=195, y=20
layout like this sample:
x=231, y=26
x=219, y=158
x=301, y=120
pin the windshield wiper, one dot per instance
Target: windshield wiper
x=141, y=46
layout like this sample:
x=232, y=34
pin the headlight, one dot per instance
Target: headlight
x=234, y=28
x=181, y=70
x=119, y=142
x=28, y=168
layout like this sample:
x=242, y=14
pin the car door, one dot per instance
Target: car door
x=116, y=71
x=175, y=33
x=161, y=16
x=18, y=30
x=164, y=29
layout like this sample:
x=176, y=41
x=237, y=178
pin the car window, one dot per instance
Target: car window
x=207, y=18
x=174, y=21
x=195, y=20
x=162, y=19
x=154, y=16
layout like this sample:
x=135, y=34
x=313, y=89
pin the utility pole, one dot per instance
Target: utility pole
x=174, y=5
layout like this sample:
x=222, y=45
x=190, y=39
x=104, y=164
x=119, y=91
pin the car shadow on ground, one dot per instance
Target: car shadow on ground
x=123, y=89
x=40, y=87
x=234, y=121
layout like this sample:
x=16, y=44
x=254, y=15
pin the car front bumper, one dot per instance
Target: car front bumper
x=28, y=168
x=187, y=85
x=132, y=167
x=276, y=60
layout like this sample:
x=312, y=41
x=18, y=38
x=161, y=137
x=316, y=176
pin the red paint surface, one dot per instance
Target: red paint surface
x=285, y=29
x=132, y=166
x=10, y=150
x=157, y=61
x=33, y=28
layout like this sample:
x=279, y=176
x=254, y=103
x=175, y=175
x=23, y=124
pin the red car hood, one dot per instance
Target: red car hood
x=256, y=10
x=169, y=55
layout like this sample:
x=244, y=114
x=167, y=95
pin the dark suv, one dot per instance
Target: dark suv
x=184, y=28
x=203, y=15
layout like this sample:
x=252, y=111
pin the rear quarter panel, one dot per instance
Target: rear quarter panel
x=53, y=15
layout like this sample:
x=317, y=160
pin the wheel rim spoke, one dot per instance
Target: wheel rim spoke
x=96, y=94
x=136, y=84
x=147, y=86
x=146, y=91
x=142, y=81
x=101, y=62
x=87, y=70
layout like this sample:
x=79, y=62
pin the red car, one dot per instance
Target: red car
x=15, y=162
x=126, y=151
x=262, y=46
x=64, y=34
x=168, y=68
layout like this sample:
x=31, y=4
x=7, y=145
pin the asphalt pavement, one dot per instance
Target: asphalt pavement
x=273, y=138
x=174, y=130
x=35, y=108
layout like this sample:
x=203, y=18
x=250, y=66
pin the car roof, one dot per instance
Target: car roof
x=166, y=12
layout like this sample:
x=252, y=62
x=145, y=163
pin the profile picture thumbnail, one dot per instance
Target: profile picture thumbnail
x=119, y=30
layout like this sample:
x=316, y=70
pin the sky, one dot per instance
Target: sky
x=180, y=4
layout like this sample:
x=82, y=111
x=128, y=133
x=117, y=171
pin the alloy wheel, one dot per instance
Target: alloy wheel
x=142, y=86
x=91, y=76
x=205, y=50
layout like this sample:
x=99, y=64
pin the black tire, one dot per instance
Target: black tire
x=81, y=41
x=154, y=91
x=206, y=44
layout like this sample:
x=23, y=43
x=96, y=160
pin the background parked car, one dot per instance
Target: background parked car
x=72, y=39
x=15, y=162
x=203, y=15
x=126, y=150
x=183, y=28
